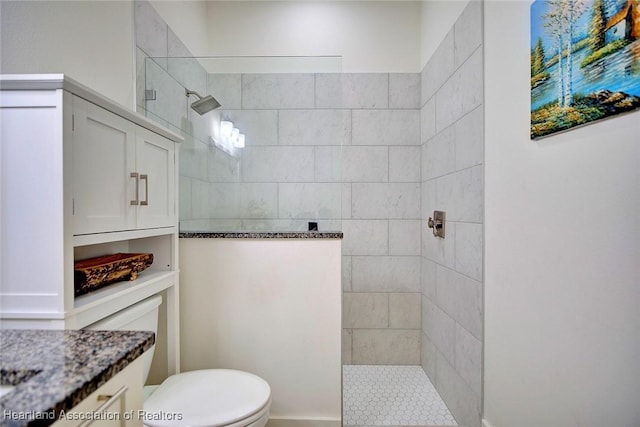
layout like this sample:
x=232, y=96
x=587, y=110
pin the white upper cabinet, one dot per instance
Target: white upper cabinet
x=81, y=176
x=123, y=174
x=155, y=167
x=103, y=161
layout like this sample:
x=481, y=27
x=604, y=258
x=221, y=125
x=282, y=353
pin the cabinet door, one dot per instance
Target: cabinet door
x=103, y=161
x=117, y=403
x=155, y=161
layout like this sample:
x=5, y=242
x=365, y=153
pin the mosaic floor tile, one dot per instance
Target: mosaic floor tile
x=391, y=396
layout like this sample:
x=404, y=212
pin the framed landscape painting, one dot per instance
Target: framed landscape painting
x=585, y=62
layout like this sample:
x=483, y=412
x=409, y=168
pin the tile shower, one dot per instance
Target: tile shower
x=388, y=395
x=369, y=154
x=452, y=180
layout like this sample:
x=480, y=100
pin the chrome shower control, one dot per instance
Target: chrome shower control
x=437, y=223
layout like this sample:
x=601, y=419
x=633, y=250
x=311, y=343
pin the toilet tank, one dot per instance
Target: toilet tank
x=141, y=316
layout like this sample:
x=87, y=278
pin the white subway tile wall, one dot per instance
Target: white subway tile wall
x=328, y=165
x=170, y=103
x=278, y=91
x=309, y=200
x=365, y=164
x=452, y=180
x=385, y=346
x=468, y=32
x=150, y=31
x=314, y=127
x=461, y=93
x=277, y=164
x=404, y=164
x=386, y=127
x=228, y=89
x=385, y=274
x=260, y=127
x=402, y=237
x=141, y=78
x=369, y=154
x=404, y=91
x=182, y=67
x=352, y=91
x=365, y=310
x=439, y=68
x=404, y=311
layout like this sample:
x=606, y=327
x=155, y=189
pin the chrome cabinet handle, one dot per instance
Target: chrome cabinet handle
x=110, y=400
x=137, y=200
x=145, y=202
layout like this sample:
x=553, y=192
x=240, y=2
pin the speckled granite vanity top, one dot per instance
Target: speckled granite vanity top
x=55, y=370
x=261, y=235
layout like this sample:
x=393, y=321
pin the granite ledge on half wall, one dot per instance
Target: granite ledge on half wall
x=54, y=370
x=262, y=235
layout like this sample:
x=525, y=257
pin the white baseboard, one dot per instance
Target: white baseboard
x=287, y=422
x=485, y=423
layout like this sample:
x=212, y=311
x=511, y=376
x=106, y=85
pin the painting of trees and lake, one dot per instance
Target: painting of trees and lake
x=585, y=62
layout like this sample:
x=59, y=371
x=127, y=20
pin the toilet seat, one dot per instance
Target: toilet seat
x=208, y=398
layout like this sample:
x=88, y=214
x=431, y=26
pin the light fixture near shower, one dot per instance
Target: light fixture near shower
x=231, y=135
x=228, y=138
x=204, y=104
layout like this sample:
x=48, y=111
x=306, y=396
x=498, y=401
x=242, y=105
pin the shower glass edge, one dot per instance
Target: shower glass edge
x=290, y=109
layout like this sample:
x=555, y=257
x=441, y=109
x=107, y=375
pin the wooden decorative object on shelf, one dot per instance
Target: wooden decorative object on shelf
x=94, y=273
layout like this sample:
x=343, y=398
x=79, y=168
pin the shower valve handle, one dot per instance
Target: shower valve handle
x=437, y=223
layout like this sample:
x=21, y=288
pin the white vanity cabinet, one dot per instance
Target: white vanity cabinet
x=82, y=176
x=117, y=403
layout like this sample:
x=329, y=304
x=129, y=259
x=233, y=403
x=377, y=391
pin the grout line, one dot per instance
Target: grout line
x=388, y=310
x=389, y=91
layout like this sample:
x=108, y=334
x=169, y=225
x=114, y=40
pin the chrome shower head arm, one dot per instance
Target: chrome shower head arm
x=188, y=92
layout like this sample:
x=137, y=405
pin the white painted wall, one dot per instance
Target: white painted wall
x=562, y=273
x=437, y=17
x=92, y=42
x=371, y=36
x=188, y=19
x=270, y=307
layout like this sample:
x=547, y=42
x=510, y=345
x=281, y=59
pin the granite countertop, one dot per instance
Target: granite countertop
x=261, y=235
x=55, y=370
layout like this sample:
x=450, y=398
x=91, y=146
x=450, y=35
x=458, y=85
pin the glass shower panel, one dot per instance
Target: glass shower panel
x=288, y=174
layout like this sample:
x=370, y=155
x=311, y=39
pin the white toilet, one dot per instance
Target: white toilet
x=203, y=398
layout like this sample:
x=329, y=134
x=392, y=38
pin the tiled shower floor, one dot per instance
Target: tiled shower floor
x=391, y=396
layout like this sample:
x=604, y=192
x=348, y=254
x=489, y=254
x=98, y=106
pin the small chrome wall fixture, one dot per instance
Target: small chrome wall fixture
x=437, y=223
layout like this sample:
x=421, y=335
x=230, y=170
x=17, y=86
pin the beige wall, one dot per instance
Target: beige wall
x=244, y=307
x=92, y=42
x=562, y=335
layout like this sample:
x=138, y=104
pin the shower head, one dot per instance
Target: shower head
x=204, y=104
